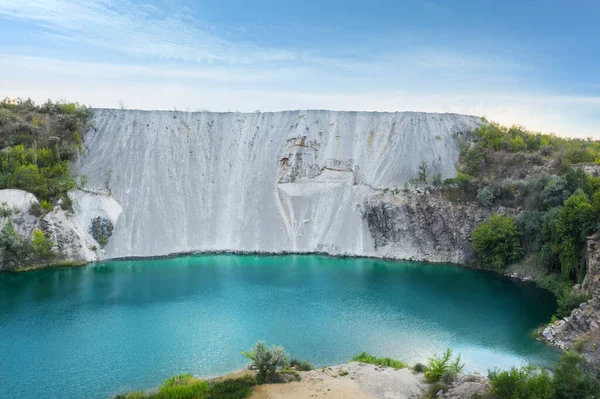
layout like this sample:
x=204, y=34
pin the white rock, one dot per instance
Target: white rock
x=247, y=182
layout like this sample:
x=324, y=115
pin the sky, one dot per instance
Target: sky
x=534, y=63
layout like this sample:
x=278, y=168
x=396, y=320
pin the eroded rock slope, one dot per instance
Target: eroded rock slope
x=297, y=181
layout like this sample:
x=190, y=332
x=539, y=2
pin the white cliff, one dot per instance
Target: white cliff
x=295, y=181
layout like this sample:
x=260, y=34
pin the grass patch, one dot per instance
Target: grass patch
x=187, y=387
x=379, y=361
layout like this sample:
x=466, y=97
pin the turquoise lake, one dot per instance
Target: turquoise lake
x=102, y=329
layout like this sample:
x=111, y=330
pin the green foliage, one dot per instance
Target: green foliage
x=42, y=245
x=37, y=144
x=15, y=251
x=434, y=388
x=187, y=387
x=496, y=241
x=555, y=192
x=570, y=382
x=5, y=210
x=267, y=360
x=527, y=382
x=300, y=365
x=419, y=368
x=423, y=172
x=461, y=180
x=437, y=180
x=439, y=365
x=530, y=226
x=485, y=197
x=46, y=205
x=379, y=361
x=569, y=299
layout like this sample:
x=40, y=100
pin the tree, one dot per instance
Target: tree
x=569, y=380
x=573, y=224
x=496, y=241
x=42, y=245
x=15, y=251
x=267, y=360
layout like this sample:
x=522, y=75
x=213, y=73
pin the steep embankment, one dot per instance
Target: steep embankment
x=296, y=181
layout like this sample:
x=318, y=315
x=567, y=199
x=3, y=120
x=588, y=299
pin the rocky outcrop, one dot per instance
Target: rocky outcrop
x=71, y=231
x=422, y=225
x=582, y=327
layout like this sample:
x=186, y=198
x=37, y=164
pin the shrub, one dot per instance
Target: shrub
x=448, y=376
x=42, y=245
x=419, y=368
x=555, y=192
x=438, y=365
x=529, y=223
x=379, y=361
x=569, y=299
x=433, y=389
x=485, y=197
x=267, y=360
x=496, y=241
x=300, y=365
x=527, y=382
x=45, y=205
x=15, y=251
x=570, y=382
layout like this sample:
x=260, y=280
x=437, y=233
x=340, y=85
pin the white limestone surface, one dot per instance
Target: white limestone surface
x=269, y=182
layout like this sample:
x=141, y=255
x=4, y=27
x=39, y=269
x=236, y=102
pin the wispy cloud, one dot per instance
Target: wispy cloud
x=153, y=87
x=166, y=60
x=130, y=29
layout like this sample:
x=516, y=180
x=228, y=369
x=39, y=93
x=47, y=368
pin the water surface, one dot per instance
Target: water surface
x=95, y=331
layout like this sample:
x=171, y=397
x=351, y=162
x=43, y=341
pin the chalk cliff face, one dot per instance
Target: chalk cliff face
x=297, y=181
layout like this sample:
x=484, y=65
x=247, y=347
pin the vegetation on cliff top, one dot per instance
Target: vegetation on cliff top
x=37, y=144
x=546, y=205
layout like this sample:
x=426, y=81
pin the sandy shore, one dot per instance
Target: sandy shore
x=365, y=381
x=352, y=380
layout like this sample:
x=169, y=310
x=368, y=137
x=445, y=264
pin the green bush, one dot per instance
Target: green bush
x=569, y=299
x=438, y=365
x=267, y=360
x=15, y=251
x=379, y=361
x=45, y=205
x=527, y=382
x=37, y=143
x=434, y=388
x=42, y=245
x=570, y=382
x=496, y=241
x=419, y=368
x=300, y=365
x=485, y=197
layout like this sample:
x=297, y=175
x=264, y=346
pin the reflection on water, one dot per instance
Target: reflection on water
x=105, y=328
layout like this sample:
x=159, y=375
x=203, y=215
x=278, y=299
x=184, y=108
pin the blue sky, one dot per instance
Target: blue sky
x=527, y=62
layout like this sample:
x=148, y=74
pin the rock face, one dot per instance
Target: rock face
x=422, y=226
x=583, y=324
x=69, y=230
x=297, y=181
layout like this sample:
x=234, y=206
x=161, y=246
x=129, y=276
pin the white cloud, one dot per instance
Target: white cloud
x=175, y=62
x=125, y=27
x=154, y=87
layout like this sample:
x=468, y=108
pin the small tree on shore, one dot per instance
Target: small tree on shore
x=267, y=360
